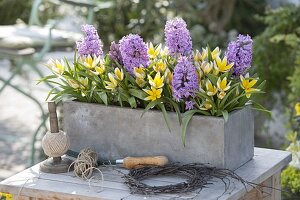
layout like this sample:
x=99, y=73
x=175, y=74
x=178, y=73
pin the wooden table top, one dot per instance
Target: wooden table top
x=33, y=183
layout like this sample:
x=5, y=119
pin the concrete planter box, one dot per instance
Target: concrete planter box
x=116, y=132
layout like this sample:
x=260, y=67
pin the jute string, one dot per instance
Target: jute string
x=55, y=144
x=84, y=166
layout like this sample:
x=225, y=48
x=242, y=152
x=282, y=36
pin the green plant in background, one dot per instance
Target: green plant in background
x=290, y=180
x=275, y=50
x=13, y=10
x=290, y=177
x=213, y=22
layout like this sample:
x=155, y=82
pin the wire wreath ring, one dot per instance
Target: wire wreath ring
x=198, y=176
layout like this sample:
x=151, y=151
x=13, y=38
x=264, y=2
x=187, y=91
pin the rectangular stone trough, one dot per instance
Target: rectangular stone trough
x=116, y=133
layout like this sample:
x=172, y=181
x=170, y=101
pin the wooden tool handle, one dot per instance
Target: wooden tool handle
x=134, y=162
x=53, y=117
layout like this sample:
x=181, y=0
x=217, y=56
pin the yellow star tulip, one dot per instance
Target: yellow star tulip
x=197, y=56
x=222, y=64
x=73, y=83
x=157, y=82
x=152, y=51
x=100, y=70
x=168, y=75
x=90, y=62
x=222, y=84
x=160, y=66
x=119, y=74
x=247, y=85
x=112, y=84
x=215, y=53
x=164, y=52
x=297, y=109
x=221, y=95
x=206, y=105
x=153, y=94
x=139, y=72
x=140, y=82
x=84, y=82
x=206, y=67
x=210, y=89
x=56, y=66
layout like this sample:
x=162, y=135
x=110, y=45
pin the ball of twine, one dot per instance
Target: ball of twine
x=85, y=163
x=55, y=144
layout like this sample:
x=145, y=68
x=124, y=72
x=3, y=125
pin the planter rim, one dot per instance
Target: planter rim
x=156, y=111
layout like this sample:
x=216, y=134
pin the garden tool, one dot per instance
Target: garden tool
x=129, y=162
x=55, y=144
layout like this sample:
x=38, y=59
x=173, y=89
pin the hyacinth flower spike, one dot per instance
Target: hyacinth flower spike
x=91, y=43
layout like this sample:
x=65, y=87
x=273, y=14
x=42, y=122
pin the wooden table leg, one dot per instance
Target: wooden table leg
x=266, y=193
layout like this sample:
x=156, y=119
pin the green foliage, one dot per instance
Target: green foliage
x=105, y=81
x=294, y=80
x=11, y=10
x=212, y=21
x=290, y=180
x=275, y=49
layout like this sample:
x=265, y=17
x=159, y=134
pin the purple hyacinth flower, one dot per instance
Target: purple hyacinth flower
x=240, y=52
x=185, y=79
x=189, y=105
x=114, y=53
x=134, y=52
x=177, y=37
x=91, y=43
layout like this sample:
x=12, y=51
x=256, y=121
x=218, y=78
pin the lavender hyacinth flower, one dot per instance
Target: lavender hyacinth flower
x=134, y=52
x=189, y=105
x=114, y=53
x=185, y=80
x=177, y=37
x=91, y=43
x=240, y=52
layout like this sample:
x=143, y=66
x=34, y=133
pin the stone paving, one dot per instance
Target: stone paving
x=19, y=118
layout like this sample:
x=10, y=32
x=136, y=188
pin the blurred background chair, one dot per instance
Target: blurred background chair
x=26, y=44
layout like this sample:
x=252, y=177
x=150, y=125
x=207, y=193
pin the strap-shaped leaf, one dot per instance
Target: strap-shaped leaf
x=165, y=114
x=185, y=122
x=103, y=97
x=225, y=115
x=151, y=105
x=138, y=93
x=132, y=102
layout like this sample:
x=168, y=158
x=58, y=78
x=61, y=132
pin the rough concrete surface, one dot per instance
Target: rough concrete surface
x=120, y=132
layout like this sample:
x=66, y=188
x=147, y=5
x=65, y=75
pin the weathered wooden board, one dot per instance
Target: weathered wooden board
x=264, y=168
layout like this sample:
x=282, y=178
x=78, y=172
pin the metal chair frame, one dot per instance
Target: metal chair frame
x=31, y=57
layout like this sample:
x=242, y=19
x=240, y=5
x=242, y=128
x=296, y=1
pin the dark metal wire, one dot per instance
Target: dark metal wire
x=198, y=176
